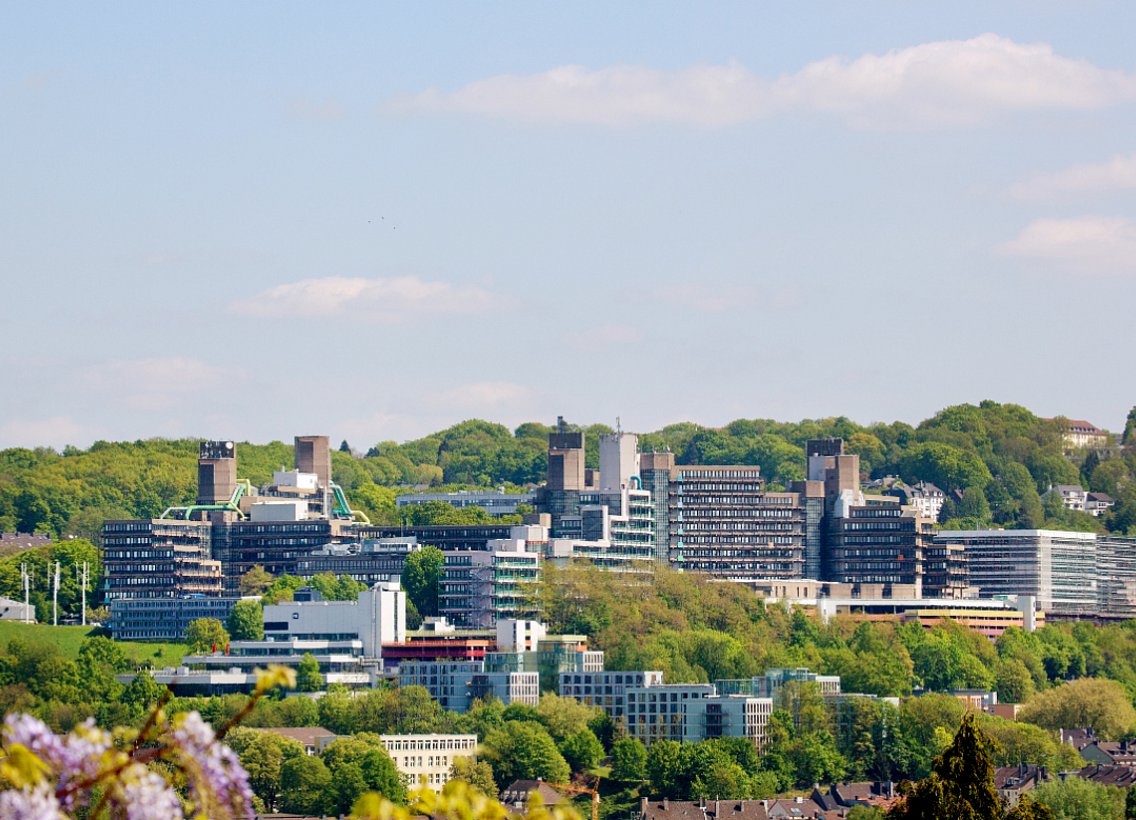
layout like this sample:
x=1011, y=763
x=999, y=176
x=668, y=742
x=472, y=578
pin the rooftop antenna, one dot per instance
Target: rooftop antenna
x=618, y=426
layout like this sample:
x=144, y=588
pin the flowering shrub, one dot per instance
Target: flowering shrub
x=173, y=767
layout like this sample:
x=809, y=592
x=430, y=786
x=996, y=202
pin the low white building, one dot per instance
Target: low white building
x=16, y=611
x=428, y=758
x=378, y=616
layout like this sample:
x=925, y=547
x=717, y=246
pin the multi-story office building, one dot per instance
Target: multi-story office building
x=729, y=716
x=550, y=662
x=277, y=546
x=455, y=685
x=163, y=619
x=771, y=683
x=496, y=503
x=945, y=572
x=655, y=474
x=876, y=543
x=607, y=518
x=1058, y=568
x=376, y=617
x=428, y=758
x=688, y=713
x=723, y=522
x=864, y=539
x=158, y=558
x=480, y=588
x=560, y=496
x=446, y=537
x=1116, y=570
x=344, y=637
x=370, y=562
x=606, y=690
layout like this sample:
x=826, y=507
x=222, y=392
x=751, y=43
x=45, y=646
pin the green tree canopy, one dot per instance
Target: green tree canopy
x=422, y=579
x=524, y=751
x=246, y=620
x=206, y=635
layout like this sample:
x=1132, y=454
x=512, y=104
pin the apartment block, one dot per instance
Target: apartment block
x=663, y=712
x=606, y=690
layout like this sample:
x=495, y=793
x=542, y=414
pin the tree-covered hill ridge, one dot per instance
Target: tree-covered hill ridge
x=998, y=458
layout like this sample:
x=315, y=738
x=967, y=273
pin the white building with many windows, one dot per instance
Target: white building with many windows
x=428, y=758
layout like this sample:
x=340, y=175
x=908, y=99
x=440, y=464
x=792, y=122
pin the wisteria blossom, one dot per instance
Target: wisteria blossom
x=174, y=767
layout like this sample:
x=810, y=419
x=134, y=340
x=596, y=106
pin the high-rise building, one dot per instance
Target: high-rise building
x=876, y=543
x=609, y=520
x=480, y=588
x=724, y=522
x=655, y=474
x=158, y=558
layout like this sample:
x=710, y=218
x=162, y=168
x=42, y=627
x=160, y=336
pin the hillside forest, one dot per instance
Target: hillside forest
x=995, y=460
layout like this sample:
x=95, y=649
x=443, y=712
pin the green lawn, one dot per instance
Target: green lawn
x=68, y=639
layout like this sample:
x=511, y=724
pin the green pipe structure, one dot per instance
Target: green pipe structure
x=342, y=507
x=243, y=486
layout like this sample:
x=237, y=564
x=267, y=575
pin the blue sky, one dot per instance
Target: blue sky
x=376, y=220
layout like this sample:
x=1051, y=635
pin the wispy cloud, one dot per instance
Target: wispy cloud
x=947, y=83
x=389, y=298
x=153, y=383
x=1118, y=174
x=1088, y=245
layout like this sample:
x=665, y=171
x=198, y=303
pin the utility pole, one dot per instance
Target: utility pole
x=55, y=598
x=81, y=574
x=27, y=584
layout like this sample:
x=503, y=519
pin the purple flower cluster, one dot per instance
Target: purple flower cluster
x=58, y=778
x=222, y=780
x=148, y=796
x=30, y=804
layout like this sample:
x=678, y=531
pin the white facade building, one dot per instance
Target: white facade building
x=378, y=616
x=428, y=758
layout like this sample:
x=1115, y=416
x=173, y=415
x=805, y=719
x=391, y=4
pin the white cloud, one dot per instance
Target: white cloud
x=618, y=95
x=54, y=431
x=1088, y=245
x=947, y=83
x=153, y=383
x=1118, y=174
x=387, y=298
